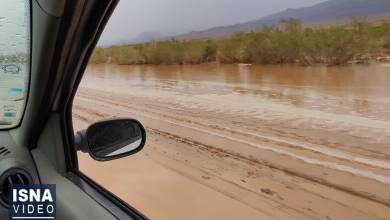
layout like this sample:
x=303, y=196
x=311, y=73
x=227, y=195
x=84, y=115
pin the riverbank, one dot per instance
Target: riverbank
x=265, y=142
x=290, y=43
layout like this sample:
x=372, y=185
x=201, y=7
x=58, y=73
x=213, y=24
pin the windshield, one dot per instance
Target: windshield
x=14, y=60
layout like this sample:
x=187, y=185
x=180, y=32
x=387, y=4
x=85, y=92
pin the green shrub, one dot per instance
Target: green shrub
x=287, y=43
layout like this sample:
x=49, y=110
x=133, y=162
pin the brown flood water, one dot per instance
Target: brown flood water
x=248, y=142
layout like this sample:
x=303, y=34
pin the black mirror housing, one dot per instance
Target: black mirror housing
x=111, y=139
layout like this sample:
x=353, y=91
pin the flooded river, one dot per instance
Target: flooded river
x=262, y=142
x=359, y=90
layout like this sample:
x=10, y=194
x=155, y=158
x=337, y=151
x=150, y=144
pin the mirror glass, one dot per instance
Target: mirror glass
x=107, y=139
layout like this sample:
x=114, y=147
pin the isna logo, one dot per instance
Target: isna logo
x=32, y=202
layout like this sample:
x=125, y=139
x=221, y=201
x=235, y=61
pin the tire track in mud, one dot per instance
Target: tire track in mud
x=223, y=153
x=346, y=157
x=212, y=149
x=293, y=212
x=335, y=166
x=275, y=140
x=249, y=132
x=282, y=207
x=78, y=115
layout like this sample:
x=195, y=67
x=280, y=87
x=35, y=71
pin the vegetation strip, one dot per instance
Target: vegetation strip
x=289, y=43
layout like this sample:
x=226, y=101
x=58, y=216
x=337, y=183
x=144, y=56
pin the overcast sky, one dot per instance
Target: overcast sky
x=171, y=17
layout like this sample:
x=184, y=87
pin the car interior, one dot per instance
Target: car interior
x=40, y=149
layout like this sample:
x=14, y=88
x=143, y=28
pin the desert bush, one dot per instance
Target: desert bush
x=287, y=43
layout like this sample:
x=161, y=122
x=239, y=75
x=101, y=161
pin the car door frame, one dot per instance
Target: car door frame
x=81, y=26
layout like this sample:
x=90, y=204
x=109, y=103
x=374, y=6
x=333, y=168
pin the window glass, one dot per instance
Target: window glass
x=14, y=60
x=253, y=109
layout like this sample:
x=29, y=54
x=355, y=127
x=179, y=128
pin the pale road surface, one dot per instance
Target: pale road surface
x=230, y=142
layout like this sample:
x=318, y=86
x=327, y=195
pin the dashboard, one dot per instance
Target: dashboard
x=16, y=167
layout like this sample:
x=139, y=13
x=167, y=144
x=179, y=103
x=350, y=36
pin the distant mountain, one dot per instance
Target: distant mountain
x=330, y=11
x=147, y=36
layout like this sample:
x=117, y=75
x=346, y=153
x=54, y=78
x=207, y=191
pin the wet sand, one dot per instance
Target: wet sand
x=228, y=142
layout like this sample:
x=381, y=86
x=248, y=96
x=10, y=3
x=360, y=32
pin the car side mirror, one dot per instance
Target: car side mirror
x=111, y=139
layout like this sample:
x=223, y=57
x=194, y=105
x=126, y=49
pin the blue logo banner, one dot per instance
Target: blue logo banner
x=32, y=202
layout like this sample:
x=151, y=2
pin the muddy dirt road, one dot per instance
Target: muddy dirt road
x=246, y=142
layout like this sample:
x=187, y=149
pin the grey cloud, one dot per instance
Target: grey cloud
x=171, y=17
